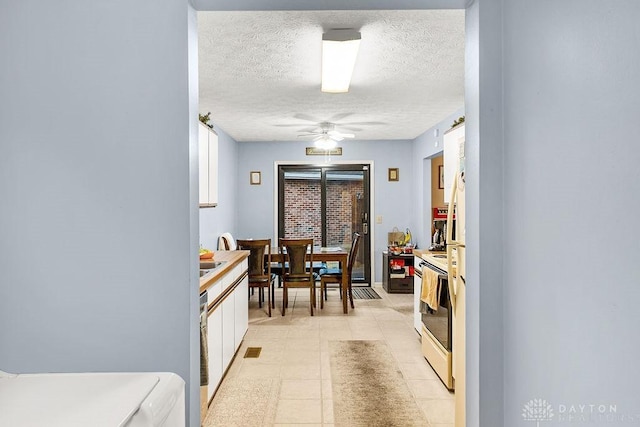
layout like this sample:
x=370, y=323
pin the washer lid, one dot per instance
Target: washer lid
x=98, y=399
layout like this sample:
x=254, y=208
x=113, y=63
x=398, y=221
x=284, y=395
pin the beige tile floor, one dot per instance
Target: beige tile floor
x=295, y=352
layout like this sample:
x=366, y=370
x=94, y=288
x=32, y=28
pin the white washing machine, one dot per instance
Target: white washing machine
x=143, y=399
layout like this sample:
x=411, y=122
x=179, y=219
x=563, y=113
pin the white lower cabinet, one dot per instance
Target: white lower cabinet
x=228, y=330
x=241, y=311
x=227, y=322
x=214, y=343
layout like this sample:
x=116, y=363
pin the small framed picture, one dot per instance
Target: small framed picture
x=440, y=177
x=255, y=178
x=394, y=174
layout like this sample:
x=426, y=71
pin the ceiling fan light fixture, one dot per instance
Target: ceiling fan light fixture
x=339, y=52
x=325, y=143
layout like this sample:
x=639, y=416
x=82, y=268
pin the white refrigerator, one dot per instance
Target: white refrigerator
x=456, y=282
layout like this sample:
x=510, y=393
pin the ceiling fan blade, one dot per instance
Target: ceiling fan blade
x=339, y=116
x=366, y=123
x=312, y=129
x=317, y=138
x=340, y=134
x=336, y=137
x=302, y=116
x=352, y=128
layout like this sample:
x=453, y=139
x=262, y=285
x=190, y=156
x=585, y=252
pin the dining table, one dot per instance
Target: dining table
x=325, y=254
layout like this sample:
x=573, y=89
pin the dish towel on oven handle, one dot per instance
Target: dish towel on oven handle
x=430, y=290
x=204, y=354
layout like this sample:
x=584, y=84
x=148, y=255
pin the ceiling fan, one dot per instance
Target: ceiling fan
x=326, y=136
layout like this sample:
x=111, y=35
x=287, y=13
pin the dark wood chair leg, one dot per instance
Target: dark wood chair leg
x=273, y=294
x=284, y=299
x=268, y=298
x=351, y=294
x=312, y=297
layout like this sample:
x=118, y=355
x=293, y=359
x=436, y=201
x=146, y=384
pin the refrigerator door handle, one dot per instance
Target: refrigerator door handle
x=452, y=205
x=450, y=280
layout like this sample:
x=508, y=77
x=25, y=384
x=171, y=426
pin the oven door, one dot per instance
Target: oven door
x=439, y=323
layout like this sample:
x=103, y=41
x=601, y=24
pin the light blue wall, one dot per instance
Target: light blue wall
x=484, y=214
x=98, y=269
x=571, y=203
x=392, y=199
x=554, y=114
x=222, y=218
x=425, y=147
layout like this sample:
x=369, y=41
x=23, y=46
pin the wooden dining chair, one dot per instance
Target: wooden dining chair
x=226, y=242
x=260, y=275
x=297, y=269
x=335, y=275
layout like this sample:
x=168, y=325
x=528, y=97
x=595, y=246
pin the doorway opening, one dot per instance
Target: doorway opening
x=328, y=203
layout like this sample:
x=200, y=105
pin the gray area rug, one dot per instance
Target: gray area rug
x=364, y=293
x=244, y=402
x=368, y=387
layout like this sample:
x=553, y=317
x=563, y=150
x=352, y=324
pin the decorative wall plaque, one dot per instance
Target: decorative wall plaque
x=315, y=151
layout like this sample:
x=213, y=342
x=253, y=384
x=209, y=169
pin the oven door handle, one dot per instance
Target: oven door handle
x=418, y=270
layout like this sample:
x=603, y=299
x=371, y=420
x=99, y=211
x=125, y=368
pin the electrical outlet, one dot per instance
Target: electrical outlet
x=379, y=219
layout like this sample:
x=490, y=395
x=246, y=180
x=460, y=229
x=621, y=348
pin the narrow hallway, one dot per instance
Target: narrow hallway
x=298, y=378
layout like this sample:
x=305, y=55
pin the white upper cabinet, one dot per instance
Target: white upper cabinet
x=453, y=138
x=208, y=141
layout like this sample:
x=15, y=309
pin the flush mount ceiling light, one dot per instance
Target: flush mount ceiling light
x=339, y=51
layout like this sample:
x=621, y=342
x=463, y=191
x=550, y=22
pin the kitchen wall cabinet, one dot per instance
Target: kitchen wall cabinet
x=452, y=141
x=208, y=161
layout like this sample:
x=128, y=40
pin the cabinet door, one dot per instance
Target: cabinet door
x=452, y=140
x=228, y=330
x=203, y=162
x=208, y=163
x=213, y=168
x=242, y=309
x=214, y=344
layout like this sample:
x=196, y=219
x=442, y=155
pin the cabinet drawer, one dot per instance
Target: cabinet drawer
x=401, y=286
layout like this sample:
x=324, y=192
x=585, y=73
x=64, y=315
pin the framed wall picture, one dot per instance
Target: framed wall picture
x=441, y=177
x=255, y=178
x=394, y=174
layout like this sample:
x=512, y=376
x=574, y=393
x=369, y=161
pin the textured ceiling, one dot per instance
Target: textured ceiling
x=260, y=72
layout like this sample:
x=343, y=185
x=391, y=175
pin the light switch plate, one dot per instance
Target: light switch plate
x=379, y=219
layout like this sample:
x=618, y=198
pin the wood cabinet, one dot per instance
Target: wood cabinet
x=397, y=280
x=208, y=162
x=453, y=138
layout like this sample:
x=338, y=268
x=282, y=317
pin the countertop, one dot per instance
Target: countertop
x=232, y=259
x=434, y=258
